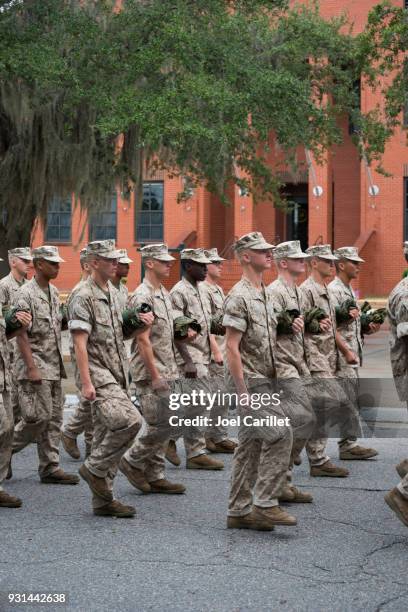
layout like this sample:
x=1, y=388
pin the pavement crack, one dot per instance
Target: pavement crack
x=384, y=603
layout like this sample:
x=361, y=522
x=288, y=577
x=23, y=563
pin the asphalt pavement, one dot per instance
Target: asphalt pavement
x=347, y=553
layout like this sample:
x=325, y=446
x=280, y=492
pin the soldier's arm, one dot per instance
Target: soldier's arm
x=80, y=326
x=23, y=343
x=235, y=322
x=80, y=340
x=233, y=340
x=146, y=352
x=345, y=350
x=179, y=307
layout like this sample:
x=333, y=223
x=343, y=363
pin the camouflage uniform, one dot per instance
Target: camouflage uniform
x=398, y=317
x=191, y=301
x=351, y=333
x=290, y=358
x=41, y=405
x=81, y=420
x=148, y=450
x=329, y=400
x=9, y=286
x=115, y=419
x=6, y=412
x=261, y=458
x=215, y=298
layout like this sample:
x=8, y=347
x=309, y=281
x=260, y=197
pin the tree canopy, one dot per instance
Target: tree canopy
x=90, y=92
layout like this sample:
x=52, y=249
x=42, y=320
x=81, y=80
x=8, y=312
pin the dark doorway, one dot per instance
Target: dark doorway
x=292, y=224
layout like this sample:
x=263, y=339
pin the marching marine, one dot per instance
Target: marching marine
x=39, y=368
x=101, y=365
x=216, y=436
x=262, y=456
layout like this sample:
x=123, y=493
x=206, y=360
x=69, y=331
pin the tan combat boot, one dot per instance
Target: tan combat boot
x=328, y=469
x=70, y=446
x=97, y=485
x=204, y=462
x=115, y=508
x=399, y=504
x=226, y=447
x=60, y=477
x=171, y=453
x=276, y=516
x=402, y=468
x=165, y=486
x=250, y=521
x=357, y=453
x=291, y=494
x=9, y=501
x=135, y=476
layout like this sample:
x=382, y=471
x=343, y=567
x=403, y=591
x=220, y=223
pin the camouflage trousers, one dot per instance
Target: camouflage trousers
x=217, y=433
x=402, y=485
x=116, y=422
x=194, y=435
x=14, y=386
x=260, y=461
x=296, y=405
x=6, y=434
x=81, y=422
x=148, y=450
x=41, y=420
x=351, y=428
x=333, y=401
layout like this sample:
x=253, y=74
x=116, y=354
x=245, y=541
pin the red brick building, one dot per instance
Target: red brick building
x=345, y=213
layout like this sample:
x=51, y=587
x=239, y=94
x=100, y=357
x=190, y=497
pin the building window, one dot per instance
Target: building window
x=102, y=224
x=149, y=219
x=59, y=221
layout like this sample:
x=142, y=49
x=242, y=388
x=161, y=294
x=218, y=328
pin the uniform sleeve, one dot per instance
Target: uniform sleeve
x=178, y=304
x=235, y=314
x=4, y=295
x=80, y=315
x=22, y=301
x=401, y=316
x=137, y=299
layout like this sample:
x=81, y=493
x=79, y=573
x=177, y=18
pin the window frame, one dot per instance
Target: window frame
x=149, y=239
x=59, y=240
x=92, y=225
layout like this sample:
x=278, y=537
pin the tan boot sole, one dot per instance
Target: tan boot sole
x=194, y=466
x=394, y=507
x=346, y=456
x=253, y=526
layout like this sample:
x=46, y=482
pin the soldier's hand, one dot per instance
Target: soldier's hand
x=374, y=328
x=88, y=392
x=325, y=324
x=191, y=334
x=24, y=318
x=298, y=325
x=218, y=358
x=190, y=370
x=34, y=375
x=160, y=384
x=354, y=313
x=351, y=358
x=147, y=318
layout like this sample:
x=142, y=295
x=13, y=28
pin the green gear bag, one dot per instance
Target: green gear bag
x=312, y=319
x=343, y=311
x=181, y=325
x=217, y=327
x=131, y=319
x=12, y=323
x=372, y=316
x=285, y=321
